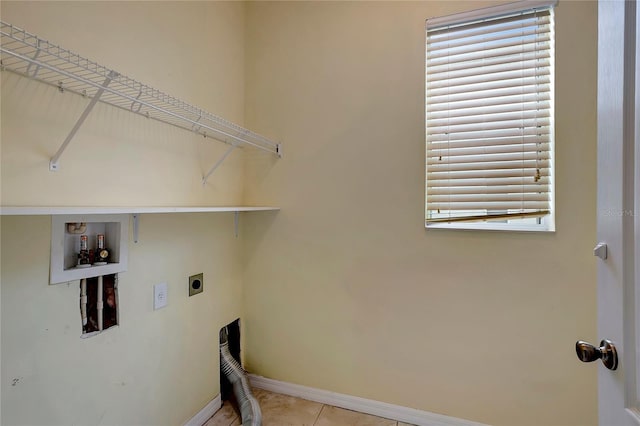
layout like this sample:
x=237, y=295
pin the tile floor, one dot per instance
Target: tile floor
x=284, y=410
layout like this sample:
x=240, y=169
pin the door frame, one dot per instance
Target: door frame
x=618, y=214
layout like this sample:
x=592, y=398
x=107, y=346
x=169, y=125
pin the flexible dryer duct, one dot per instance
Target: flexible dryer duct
x=249, y=407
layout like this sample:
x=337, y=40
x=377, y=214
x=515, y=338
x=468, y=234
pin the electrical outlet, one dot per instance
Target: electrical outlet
x=160, y=292
x=196, y=284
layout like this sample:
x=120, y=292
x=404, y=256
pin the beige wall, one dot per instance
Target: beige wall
x=159, y=367
x=344, y=288
x=191, y=50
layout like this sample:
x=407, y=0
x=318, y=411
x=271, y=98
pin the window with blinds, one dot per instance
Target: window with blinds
x=489, y=117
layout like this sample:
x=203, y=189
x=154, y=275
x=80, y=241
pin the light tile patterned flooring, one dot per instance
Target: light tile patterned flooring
x=284, y=410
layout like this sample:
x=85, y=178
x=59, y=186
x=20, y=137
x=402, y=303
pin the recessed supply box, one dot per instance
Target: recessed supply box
x=70, y=258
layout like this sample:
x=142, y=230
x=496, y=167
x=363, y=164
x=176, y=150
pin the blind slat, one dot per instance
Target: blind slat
x=505, y=29
x=488, y=182
x=481, y=126
x=516, y=99
x=488, y=198
x=487, y=16
x=542, y=147
x=489, y=109
x=495, y=189
x=451, y=155
x=487, y=116
x=453, y=89
x=488, y=158
x=494, y=93
x=493, y=77
x=532, y=173
x=490, y=48
x=489, y=40
x=496, y=71
x=490, y=166
x=516, y=57
x=467, y=139
x=473, y=55
x=496, y=25
x=500, y=205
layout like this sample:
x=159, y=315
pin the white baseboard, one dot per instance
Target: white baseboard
x=368, y=406
x=206, y=413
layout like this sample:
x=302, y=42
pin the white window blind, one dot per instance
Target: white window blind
x=489, y=117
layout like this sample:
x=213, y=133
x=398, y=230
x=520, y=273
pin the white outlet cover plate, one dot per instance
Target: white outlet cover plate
x=160, y=292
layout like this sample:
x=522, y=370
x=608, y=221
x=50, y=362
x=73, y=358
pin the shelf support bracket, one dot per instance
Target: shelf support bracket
x=136, y=225
x=195, y=126
x=35, y=56
x=133, y=103
x=236, y=222
x=215, y=166
x=53, y=164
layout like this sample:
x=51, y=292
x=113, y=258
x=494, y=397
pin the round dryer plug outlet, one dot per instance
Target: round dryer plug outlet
x=196, y=284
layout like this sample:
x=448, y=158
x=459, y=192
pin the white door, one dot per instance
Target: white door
x=619, y=209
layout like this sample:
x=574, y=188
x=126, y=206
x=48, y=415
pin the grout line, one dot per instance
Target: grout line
x=319, y=412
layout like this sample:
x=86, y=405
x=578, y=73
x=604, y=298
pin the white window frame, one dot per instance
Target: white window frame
x=545, y=223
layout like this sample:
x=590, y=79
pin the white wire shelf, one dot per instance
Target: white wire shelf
x=30, y=56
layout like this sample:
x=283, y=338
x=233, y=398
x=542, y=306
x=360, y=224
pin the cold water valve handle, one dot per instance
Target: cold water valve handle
x=606, y=352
